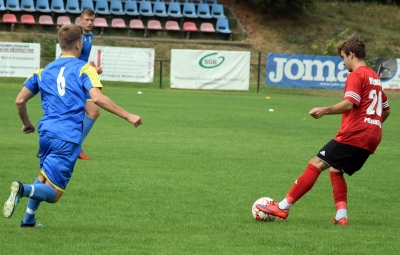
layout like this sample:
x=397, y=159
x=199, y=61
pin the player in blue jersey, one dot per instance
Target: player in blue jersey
x=63, y=86
x=92, y=110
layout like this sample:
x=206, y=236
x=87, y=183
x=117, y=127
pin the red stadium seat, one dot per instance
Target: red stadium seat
x=78, y=21
x=63, y=20
x=172, y=25
x=100, y=22
x=136, y=24
x=189, y=26
x=207, y=27
x=118, y=22
x=9, y=18
x=27, y=19
x=46, y=20
x=154, y=25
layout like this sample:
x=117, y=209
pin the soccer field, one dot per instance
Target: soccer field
x=184, y=181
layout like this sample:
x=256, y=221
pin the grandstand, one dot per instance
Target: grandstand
x=180, y=19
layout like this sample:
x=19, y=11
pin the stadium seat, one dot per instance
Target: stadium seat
x=131, y=8
x=87, y=4
x=63, y=20
x=10, y=18
x=73, y=7
x=13, y=5
x=78, y=20
x=102, y=7
x=189, y=26
x=116, y=8
x=57, y=6
x=145, y=9
x=189, y=10
x=154, y=25
x=203, y=11
x=136, y=24
x=207, y=27
x=100, y=22
x=160, y=9
x=223, y=26
x=174, y=10
x=210, y=1
x=118, y=23
x=172, y=25
x=2, y=5
x=27, y=19
x=46, y=20
x=43, y=6
x=28, y=6
x=217, y=11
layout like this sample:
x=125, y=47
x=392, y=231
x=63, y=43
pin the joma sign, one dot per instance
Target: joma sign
x=305, y=71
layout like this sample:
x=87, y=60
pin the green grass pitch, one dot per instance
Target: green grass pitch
x=184, y=182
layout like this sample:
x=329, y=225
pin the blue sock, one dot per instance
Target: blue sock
x=33, y=205
x=39, y=191
x=87, y=126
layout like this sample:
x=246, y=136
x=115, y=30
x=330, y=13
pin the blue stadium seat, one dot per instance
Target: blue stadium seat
x=43, y=6
x=131, y=8
x=58, y=6
x=217, y=11
x=189, y=10
x=203, y=11
x=116, y=8
x=174, y=10
x=210, y=1
x=87, y=4
x=145, y=9
x=223, y=26
x=28, y=6
x=102, y=7
x=2, y=5
x=13, y=5
x=73, y=7
x=160, y=9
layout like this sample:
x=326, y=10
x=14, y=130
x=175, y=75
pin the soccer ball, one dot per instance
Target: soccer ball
x=259, y=215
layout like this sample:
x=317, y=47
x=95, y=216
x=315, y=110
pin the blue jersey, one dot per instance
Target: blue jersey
x=87, y=46
x=63, y=85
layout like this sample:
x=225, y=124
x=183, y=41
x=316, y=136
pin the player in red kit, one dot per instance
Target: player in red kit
x=364, y=108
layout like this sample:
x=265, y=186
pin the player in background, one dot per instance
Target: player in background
x=63, y=86
x=364, y=108
x=92, y=110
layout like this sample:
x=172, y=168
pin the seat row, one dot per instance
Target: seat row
x=132, y=8
x=222, y=25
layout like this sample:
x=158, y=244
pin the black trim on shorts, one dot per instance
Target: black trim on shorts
x=344, y=157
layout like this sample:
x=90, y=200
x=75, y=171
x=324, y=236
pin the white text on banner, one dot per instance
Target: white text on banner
x=19, y=59
x=122, y=63
x=208, y=69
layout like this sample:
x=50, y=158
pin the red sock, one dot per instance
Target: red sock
x=339, y=192
x=303, y=184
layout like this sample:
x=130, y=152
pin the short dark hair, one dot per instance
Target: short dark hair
x=68, y=35
x=87, y=11
x=354, y=45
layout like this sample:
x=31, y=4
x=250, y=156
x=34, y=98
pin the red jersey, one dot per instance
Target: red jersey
x=362, y=125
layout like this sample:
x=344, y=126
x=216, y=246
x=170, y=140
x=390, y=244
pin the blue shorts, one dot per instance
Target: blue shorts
x=57, y=160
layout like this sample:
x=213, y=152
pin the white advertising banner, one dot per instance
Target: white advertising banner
x=19, y=59
x=210, y=69
x=122, y=63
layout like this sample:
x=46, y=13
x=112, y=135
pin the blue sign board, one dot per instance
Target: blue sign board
x=305, y=71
